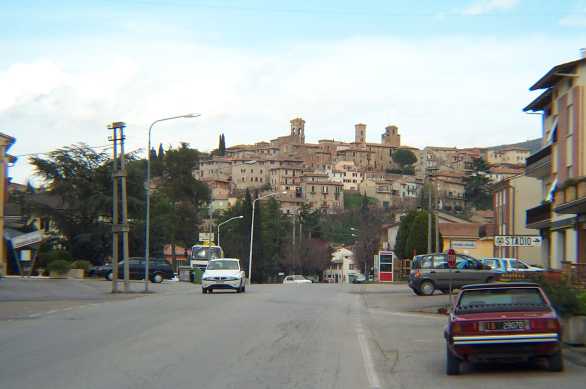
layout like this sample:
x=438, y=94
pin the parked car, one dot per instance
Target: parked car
x=502, y=322
x=504, y=265
x=159, y=270
x=223, y=273
x=358, y=279
x=431, y=272
x=296, y=279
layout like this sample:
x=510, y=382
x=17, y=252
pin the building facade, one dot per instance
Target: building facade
x=560, y=164
x=511, y=199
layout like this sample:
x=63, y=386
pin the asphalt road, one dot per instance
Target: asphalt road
x=274, y=336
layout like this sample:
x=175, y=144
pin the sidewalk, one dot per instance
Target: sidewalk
x=576, y=355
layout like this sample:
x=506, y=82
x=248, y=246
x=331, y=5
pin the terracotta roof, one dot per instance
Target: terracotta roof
x=464, y=230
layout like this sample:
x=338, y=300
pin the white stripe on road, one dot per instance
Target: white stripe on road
x=373, y=380
x=410, y=315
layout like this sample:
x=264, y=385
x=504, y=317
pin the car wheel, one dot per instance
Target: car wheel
x=244, y=288
x=157, y=278
x=204, y=290
x=556, y=362
x=427, y=288
x=109, y=276
x=452, y=363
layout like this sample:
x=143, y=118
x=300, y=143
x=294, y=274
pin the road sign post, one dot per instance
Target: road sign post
x=451, y=265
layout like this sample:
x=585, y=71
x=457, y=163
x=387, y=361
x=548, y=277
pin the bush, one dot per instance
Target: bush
x=59, y=266
x=81, y=264
x=581, y=303
x=47, y=257
x=563, y=296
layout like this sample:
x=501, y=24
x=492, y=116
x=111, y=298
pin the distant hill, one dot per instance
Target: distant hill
x=533, y=145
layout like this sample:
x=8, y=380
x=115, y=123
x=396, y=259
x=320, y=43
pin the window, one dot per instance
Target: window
x=570, y=119
x=569, y=151
x=518, y=265
x=312, y=189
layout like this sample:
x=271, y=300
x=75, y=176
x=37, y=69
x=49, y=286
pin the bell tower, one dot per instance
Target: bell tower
x=360, y=133
x=298, y=129
x=391, y=136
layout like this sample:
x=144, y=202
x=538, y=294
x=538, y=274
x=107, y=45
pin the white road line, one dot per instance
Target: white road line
x=410, y=315
x=373, y=381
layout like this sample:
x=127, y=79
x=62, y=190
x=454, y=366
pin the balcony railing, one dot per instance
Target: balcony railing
x=538, y=217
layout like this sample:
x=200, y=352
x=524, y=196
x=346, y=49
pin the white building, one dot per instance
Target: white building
x=341, y=266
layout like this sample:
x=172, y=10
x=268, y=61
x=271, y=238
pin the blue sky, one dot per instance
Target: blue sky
x=451, y=73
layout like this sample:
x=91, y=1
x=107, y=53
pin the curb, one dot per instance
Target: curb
x=574, y=356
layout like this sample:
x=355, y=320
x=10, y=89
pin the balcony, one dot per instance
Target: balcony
x=571, y=196
x=538, y=217
x=538, y=165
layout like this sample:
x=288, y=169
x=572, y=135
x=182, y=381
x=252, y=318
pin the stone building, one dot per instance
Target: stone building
x=320, y=192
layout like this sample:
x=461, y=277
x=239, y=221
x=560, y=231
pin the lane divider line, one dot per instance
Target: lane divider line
x=373, y=380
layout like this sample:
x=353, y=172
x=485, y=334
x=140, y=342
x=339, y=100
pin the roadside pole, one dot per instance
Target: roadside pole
x=451, y=265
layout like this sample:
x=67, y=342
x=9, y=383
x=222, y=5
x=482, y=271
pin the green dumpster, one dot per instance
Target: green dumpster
x=196, y=275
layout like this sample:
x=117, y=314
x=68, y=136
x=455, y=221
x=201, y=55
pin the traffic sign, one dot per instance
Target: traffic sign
x=451, y=258
x=517, y=240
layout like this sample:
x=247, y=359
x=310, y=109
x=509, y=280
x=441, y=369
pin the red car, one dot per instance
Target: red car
x=502, y=322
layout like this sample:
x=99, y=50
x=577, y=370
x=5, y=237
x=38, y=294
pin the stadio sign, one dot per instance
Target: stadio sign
x=517, y=241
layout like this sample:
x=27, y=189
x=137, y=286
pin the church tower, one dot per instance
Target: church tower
x=360, y=133
x=391, y=136
x=298, y=129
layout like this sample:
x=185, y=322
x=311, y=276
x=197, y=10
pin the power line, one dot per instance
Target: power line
x=48, y=152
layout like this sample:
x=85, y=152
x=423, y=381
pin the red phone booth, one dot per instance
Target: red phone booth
x=386, y=266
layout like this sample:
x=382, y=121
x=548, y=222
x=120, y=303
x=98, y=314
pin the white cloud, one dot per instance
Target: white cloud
x=482, y=7
x=577, y=19
x=452, y=91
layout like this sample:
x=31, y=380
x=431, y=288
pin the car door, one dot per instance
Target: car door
x=466, y=271
x=440, y=273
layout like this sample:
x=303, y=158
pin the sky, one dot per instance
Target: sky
x=447, y=73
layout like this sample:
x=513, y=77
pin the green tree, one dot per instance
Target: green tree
x=417, y=239
x=185, y=194
x=477, y=191
x=368, y=240
x=403, y=234
x=222, y=146
x=405, y=158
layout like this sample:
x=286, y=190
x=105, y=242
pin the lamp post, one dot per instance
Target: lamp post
x=252, y=233
x=229, y=220
x=148, y=195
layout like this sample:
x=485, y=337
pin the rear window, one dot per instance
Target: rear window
x=501, y=299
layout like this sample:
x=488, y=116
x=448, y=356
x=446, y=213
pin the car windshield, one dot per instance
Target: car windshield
x=498, y=299
x=223, y=265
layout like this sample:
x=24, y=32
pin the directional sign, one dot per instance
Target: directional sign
x=203, y=236
x=26, y=239
x=517, y=240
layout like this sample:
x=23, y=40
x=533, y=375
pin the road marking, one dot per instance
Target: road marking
x=410, y=315
x=373, y=380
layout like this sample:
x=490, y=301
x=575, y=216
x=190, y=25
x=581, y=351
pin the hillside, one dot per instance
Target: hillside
x=533, y=145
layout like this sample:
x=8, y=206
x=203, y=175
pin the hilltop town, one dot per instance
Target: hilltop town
x=320, y=174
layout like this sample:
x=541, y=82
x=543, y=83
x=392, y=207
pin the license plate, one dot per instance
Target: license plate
x=508, y=325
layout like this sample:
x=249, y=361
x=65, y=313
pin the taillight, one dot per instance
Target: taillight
x=545, y=324
x=460, y=328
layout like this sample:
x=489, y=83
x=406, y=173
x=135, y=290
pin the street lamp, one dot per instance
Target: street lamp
x=252, y=232
x=148, y=194
x=229, y=220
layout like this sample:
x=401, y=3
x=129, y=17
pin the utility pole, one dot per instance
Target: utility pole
x=429, y=212
x=119, y=219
